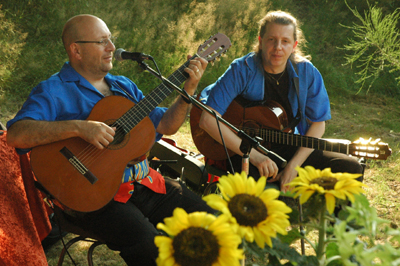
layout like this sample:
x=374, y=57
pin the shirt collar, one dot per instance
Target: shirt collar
x=291, y=70
x=69, y=74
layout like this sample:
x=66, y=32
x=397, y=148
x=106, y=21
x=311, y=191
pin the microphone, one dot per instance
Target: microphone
x=121, y=54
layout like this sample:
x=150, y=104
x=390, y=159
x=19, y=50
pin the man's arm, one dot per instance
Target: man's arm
x=176, y=113
x=264, y=164
x=30, y=133
x=316, y=130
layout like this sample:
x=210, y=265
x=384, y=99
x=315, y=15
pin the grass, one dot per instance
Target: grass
x=78, y=251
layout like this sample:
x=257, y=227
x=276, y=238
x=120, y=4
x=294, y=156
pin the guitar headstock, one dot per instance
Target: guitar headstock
x=214, y=47
x=370, y=149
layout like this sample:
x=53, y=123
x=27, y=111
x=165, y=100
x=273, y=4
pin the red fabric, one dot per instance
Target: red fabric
x=217, y=164
x=123, y=194
x=154, y=180
x=23, y=218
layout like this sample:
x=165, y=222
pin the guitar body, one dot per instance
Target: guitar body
x=69, y=186
x=272, y=114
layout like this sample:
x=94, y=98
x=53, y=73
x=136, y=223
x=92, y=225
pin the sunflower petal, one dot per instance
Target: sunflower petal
x=305, y=196
x=225, y=187
x=250, y=186
x=260, y=186
x=216, y=202
x=330, y=203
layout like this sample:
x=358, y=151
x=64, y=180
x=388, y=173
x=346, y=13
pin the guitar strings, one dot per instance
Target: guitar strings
x=275, y=136
x=132, y=115
x=91, y=154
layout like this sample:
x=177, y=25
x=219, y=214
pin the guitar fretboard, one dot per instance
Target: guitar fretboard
x=284, y=138
x=138, y=112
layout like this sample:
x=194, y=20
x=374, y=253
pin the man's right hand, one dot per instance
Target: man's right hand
x=96, y=133
x=266, y=167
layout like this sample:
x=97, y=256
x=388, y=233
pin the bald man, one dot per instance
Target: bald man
x=56, y=109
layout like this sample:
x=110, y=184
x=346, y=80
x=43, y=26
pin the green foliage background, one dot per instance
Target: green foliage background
x=31, y=49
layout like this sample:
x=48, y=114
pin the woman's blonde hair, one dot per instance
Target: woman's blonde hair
x=284, y=18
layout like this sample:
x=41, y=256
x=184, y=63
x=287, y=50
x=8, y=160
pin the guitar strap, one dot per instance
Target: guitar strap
x=129, y=96
x=295, y=121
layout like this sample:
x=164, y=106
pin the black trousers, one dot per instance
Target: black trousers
x=131, y=227
x=338, y=162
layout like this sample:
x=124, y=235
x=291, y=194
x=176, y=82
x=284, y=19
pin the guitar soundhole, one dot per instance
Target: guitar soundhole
x=121, y=136
x=251, y=128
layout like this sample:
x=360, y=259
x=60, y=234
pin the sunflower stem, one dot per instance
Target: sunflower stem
x=311, y=243
x=242, y=262
x=321, y=237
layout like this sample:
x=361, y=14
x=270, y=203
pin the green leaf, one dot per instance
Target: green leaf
x=280, y=251
x=254, y=249
x=291, y=236
x=332, y=249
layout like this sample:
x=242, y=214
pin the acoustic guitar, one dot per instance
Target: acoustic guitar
x=84, y=178
x=269, y=122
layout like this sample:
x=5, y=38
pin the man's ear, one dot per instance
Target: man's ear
x=75, y=50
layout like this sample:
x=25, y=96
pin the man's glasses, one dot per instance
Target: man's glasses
x=103, y=42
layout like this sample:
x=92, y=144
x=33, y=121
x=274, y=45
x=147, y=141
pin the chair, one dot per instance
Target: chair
x=2, y=127
x=64, y=224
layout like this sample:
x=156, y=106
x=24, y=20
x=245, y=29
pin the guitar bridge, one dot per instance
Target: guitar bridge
x=78, y=165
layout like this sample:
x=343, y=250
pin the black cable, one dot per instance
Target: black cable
x=155, y=64
x=61, y=236
x=223, y=142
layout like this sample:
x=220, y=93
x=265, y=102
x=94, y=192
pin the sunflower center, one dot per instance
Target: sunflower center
x=327, y=182
x=248, y=210
x=195, y=246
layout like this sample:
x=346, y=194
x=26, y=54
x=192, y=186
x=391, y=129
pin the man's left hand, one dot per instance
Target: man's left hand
x=195, y=70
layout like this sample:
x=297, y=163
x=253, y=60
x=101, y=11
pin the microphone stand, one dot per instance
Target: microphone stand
x=248, y=142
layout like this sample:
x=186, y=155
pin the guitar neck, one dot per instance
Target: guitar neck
x=138, y=112
x=274, y=136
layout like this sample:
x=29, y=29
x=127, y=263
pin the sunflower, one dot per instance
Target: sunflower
x=332, y=185
x=197, y=239
x=255, y=212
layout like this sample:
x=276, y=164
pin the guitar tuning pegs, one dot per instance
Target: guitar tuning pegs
x=375, y=141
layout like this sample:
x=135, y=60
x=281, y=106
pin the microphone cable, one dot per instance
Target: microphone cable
x=223, y=142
